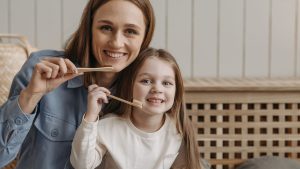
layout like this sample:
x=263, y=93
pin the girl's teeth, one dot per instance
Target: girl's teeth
x=155, y=100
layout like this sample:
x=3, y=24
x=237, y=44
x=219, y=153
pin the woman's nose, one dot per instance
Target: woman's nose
x=117, y=40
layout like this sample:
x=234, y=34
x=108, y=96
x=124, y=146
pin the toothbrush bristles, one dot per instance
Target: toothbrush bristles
x=137, y=103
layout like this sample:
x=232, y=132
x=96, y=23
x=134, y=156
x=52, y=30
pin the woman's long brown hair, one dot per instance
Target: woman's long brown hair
x=177, y=112
x=79, y=47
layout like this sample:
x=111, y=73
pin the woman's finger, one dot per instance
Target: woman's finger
x=70, y=66
x=65, y=65
x=54, y=67
x=43, y=70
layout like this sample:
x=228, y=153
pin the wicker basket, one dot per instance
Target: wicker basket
x=12, y=57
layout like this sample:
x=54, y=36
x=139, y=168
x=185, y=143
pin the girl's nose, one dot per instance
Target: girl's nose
x=117, y=40
x=156, y=88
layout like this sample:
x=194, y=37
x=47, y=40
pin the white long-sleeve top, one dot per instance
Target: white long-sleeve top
x=129, y=147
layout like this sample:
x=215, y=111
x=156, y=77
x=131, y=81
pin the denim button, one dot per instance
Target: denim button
x=54, y=133
x=18, y=121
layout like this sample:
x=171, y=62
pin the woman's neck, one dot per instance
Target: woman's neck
x=147, y=123
x=105, y=79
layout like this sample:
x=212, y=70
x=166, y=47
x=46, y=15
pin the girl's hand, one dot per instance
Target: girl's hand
x=49, y=74
x=96, y=97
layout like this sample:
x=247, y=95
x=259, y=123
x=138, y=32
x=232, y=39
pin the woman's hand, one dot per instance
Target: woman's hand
x=96, y=97
x=47, y=75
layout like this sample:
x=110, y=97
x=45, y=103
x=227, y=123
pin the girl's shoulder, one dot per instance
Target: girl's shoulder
x=110, y=119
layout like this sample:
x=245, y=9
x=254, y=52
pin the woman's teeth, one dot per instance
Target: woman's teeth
x=114, y=54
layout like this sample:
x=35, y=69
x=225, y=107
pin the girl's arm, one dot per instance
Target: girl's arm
x=86, y=152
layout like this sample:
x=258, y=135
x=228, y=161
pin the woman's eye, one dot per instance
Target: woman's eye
x=132, y=32
x=106, y=28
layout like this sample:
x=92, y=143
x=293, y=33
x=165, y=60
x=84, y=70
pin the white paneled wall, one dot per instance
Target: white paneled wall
x=209, y=38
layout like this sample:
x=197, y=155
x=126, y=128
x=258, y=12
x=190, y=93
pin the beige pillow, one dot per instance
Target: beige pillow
x=270, y=162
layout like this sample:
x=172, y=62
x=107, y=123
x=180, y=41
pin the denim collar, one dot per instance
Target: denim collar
x=75, y=82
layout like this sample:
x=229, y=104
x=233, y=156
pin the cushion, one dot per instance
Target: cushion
x=270, y=162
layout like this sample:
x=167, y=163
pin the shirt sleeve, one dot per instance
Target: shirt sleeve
x=86, y=152
x=14, y=124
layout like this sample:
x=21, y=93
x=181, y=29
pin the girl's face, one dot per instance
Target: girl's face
x=155, y=86
x=118, y=31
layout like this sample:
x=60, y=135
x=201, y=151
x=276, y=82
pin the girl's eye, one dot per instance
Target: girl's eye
x=146, y=81
x=167, y=83
x=106, y=28
x=131, y=32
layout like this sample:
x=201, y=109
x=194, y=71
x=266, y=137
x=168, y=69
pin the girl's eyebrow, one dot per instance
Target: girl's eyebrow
x=148, y=74
x=129, y=25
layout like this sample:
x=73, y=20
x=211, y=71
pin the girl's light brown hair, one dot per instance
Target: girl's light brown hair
x=79, y=47
x=177, y=112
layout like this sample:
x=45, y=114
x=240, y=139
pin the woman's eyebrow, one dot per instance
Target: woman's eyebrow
x=105, y=21
x=129, y=25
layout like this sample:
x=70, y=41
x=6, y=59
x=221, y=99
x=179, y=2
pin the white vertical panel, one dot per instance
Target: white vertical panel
x=49, y=24
x=231, y=38
x=283, y=34
x=179, y=33
x=159, y=39
x=257, y=38
x=72, y=11
x=23, y=18
x=298, y=39
x=205, y=38
x=4, y=16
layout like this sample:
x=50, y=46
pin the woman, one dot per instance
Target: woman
x=48, y=97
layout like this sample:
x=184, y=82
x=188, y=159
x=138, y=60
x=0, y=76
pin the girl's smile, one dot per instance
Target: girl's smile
x=155, y=87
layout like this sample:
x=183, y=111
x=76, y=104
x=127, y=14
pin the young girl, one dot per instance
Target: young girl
x=158, y=136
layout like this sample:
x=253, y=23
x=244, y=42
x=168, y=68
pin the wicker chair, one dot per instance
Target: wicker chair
x=14, y=50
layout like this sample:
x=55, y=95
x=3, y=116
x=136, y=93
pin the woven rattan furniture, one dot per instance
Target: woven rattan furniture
x=239, y=119
x=14, y=50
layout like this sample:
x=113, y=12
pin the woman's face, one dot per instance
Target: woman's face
x=118, y=32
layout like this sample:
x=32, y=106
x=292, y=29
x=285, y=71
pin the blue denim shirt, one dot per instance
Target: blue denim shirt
x=42, y=140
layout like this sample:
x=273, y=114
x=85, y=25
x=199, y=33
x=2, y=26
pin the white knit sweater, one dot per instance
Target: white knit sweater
x=129, y=147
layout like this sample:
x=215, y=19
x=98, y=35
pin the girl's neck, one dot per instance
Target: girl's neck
x=105, y=79
x=147, y=123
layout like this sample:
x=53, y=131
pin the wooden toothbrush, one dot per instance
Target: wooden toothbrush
x=98, y=69
x=135, y=103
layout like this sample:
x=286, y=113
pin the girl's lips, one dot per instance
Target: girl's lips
x=155, y=100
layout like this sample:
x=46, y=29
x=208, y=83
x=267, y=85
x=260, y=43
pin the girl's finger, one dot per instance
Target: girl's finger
x=98, y=93
x=105, y=90
x=92, y=87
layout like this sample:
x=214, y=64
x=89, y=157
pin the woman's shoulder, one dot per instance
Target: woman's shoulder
x=46, y=53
